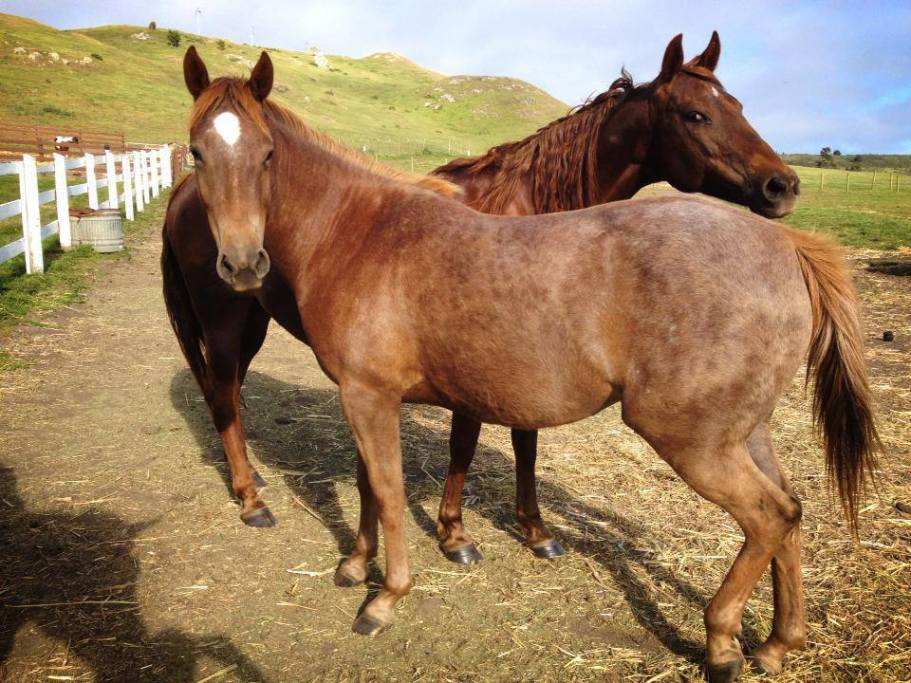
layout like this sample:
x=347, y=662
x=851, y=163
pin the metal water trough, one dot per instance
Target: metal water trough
x=102, y=229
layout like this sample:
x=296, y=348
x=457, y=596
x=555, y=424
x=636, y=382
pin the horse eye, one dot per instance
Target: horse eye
x=696, y=117
x=268, y=157
x=197, y=157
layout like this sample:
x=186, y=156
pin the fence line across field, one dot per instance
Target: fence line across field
x=142, y=174
x=852, y=181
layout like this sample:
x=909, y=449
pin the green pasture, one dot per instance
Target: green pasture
x=860, y=210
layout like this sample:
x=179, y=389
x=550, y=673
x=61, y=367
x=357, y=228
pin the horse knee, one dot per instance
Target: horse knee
x=792, y=512
x=720, y=618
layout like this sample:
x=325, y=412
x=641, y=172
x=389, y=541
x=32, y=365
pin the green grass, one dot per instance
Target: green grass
x=851, y=207
x=24, y=298
x=8, y=362
x=377, y=102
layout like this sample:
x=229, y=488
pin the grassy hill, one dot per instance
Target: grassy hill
x=129, y=78
x=856, y=162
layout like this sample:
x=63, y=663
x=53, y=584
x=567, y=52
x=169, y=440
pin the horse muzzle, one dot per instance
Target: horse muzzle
x=243, y=272
x=777, y=195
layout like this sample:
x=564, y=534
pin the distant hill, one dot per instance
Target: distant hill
x=856, y=162
x=129, y=78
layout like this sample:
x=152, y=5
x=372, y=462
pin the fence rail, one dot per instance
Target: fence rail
x=142, y=174
x=42, y=141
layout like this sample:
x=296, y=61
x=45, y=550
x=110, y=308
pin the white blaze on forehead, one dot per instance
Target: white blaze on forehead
x=714, y=91
x=227, y=125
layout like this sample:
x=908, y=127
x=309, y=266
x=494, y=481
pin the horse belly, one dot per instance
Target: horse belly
x=526, y=390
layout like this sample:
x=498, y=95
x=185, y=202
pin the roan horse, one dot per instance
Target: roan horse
x=693, y=316
x=683, y=128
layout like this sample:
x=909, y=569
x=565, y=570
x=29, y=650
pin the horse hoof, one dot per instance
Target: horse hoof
x=467, y=554
x=548, y=550
x=261, y=518
x=258, y=481
x=766, y=665
x=344, y=580
x=724, y=673
x=365, y=625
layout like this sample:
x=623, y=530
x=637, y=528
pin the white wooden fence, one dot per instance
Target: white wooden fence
x=142, y=175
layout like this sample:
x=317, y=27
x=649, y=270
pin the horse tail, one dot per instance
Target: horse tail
x=842, y=406
x=183, y=318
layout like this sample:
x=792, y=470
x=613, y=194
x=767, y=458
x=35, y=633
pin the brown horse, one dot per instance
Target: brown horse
x=683, y=128
x=693, y=316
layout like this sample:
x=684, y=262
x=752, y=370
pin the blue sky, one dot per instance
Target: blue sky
x=808, y=73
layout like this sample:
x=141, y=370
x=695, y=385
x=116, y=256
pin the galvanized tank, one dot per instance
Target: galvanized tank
x=102, y=229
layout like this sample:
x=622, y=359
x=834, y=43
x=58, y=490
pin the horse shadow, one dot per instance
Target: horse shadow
x=73, y=577
x=303, y=430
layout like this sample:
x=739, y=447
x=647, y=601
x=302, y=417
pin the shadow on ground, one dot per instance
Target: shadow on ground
x=302, y=430
x=72, y=577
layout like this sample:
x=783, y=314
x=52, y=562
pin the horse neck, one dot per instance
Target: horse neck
x=622, y=160
x=618, y=162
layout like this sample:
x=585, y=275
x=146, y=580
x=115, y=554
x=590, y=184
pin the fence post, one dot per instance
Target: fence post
x=31, y=214
x=154, y=159
x=90, y=180
x=113, y=197
x=137, y=172
x=127, y=185
x=62, y=196
x=166, y=179
x=146, y=178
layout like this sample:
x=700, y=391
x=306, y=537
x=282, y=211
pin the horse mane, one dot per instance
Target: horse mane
x=561, y=158
x=235, y=91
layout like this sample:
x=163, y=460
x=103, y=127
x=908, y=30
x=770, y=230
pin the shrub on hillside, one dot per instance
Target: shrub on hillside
x=97, y=56
x=220, y=44
x=152, y=26
x=173, y=38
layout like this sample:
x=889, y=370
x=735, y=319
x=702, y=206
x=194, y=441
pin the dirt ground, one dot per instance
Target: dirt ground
x=122, y=557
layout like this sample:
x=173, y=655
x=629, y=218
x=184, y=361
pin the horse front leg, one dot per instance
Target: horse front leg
x=229, y=354
x=374, y=419
x=353, y=570
x=455, y=542
x=537, y=535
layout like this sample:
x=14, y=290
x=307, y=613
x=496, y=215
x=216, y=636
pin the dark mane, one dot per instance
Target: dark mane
x=560, y=158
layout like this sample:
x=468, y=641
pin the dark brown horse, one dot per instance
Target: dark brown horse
x=693, y=316
x=683, y=128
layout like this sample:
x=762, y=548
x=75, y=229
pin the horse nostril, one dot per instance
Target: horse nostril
x=775, y=188
x=225, y=268
x=262, y=265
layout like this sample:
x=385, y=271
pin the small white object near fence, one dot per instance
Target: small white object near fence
x=150, y=171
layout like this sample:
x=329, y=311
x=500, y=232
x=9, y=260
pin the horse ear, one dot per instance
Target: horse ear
x=673, y=59
x=195, y=74
x=261, y=78
x=709, y=58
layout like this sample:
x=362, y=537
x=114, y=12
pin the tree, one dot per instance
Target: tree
x=173, y=38
x=836, y=153
x=825, y=152
x=152, y=26
x=220, y=44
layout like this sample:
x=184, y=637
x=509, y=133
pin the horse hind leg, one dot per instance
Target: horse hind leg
x=537, y=536
x=455, y=542
x=789, y=629
x=728, y=477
